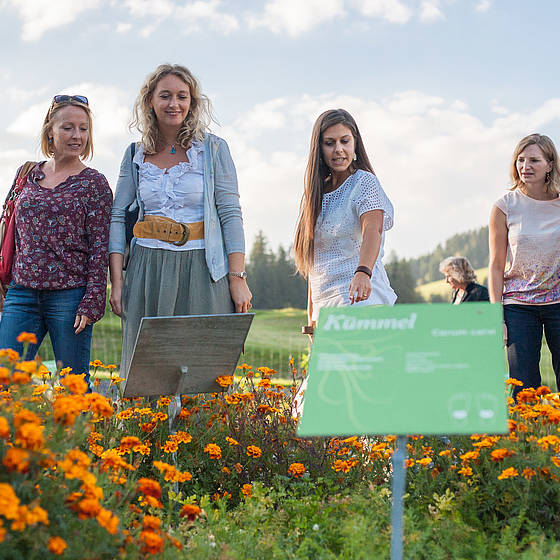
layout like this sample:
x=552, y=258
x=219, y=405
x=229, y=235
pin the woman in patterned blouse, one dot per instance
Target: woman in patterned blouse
x=62, y=229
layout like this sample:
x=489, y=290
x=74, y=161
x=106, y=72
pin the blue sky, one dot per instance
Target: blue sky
x=442, y=91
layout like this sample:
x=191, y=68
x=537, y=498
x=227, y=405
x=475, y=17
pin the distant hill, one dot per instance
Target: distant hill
x=440, y=290
x=472, y=244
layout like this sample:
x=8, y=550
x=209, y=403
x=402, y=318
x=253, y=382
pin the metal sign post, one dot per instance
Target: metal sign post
x=397, y=509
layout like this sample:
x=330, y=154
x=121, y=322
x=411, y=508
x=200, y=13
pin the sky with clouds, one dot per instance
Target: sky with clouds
x=442, y=90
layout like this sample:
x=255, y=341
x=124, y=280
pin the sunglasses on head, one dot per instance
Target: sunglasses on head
x=67, y=98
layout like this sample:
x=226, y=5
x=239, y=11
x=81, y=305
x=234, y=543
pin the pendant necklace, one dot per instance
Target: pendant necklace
x=172, y=151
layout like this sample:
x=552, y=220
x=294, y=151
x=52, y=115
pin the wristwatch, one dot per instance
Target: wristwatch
x=242, y=274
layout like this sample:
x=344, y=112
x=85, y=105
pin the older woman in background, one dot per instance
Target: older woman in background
x=459, y=274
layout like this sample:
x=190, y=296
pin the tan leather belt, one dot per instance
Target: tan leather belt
x=166, y=229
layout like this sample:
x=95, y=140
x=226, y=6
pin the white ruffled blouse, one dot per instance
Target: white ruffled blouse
x=175, y=193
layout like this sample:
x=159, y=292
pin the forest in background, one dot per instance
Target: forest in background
x=275, y=285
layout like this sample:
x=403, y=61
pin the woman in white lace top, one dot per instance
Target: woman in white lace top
x=344, y=214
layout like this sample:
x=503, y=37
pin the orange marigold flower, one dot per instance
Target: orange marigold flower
x=543, y=390
x=163, y=401
x=254, y=451
x=151, y=523
x=516, y=382
x=343, y=466
x=238, y=468
x=170, y=447
x=128, y=442
x=247, y=490
x=21, y=378
x=425, y=461
x=108, y=520
x=40, y=389
x=151, y=543
x=266, y=371
x=264, y=383
x=245, y=367
x=528, y=473
x=30, y=436
x=408, y=463
x=297, y=470
x=445, y=453
x=12, y=355
x=4, y=428
x=16, y=459
x=232, y=441
x=190, y=511
x=181, y=437
x=4, y=376
x=469, y=456
x=66, y=408
x=96, y=363
x=213, y=450
x=9, y=502
x=508, y=473
x=501, y=454
x=24, y=337
x=549, y=441
x=76, y=384
x=224, y=380
x=100, y=405
x=225, y=470
x=149, y=487
x=556, y=461
x=465, y=471
x=57, y=545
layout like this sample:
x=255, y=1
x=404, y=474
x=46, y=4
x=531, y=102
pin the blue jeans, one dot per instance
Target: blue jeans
x=525, y=324
x=42, y=311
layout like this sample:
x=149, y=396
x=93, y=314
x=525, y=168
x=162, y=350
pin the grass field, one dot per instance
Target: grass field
x=442, y=289
x=273, y=338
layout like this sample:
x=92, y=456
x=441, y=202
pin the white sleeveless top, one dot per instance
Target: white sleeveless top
x=533, y=275
x=338, y=239
x=176, y=193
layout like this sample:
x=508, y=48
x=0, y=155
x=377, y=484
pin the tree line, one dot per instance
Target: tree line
x=275, y=283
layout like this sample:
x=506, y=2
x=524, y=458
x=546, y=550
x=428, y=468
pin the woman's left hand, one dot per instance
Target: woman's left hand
x=240, y=294
x=81, y=322
x=360, y=287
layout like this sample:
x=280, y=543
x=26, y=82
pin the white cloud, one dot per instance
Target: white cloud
x=430, y=11
x=394, y=11
x=39, y=16
x=123, y=27
x=295, y=17
x=483, y=5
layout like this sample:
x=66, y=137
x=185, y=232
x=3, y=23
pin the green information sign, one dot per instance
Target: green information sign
x=407, y=369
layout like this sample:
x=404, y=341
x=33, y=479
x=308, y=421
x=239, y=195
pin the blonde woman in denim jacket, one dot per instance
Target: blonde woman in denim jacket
x=179, y=174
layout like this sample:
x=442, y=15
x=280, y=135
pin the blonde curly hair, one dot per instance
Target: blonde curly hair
x=144, y=119
x=459, y=268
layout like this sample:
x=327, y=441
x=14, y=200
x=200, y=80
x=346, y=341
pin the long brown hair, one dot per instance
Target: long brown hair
x=196, y=122
x=552, y=182
x=316, y=173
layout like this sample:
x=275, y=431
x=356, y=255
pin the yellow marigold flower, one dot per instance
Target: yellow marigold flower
x=254, y=451
x=57, y=545
x=116, y=380
x=469, y=456
x=465, y=471
x=16, y=459
x=247, y=490
x=343, y=466
x=170, y=447
x=163, y=401
x=445, y=453
x=142, y=448
x=30, y=436
x=297, y=470
x=127, y=442
x=151, y=542
x=125, y=414
x=508, y=473
x=190, y=511
x=408, y=463
x=40, y=389
x=549, y=441
x=231, y=441
x=264, y=383
x=213, y=450
x=76, y=384
x=27, y=367
x=528, y=473
x=111, y=366
x=245, y=367
x=225, y=470
x=111, y=460
x=108, y=520
x=224, y=380
x=425, y=461
x=96, y=363
x=516, y=382
x=556, y=461
x=24, y=337
x=181, y=437
x=500, y=454
x=4, y=428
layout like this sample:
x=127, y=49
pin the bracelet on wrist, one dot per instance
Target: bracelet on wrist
x=363, y=269
x=307, y=329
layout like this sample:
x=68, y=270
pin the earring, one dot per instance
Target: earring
x=355, y=157
x=50, y=140
x=152, y=112
x=547, y=177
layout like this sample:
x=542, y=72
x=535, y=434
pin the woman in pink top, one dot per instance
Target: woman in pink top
x=525, y=232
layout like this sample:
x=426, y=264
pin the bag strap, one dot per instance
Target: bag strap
x=22, y=172
x=25, y=169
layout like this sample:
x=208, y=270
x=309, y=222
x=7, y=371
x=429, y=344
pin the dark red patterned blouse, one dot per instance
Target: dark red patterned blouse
x=62, y=237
